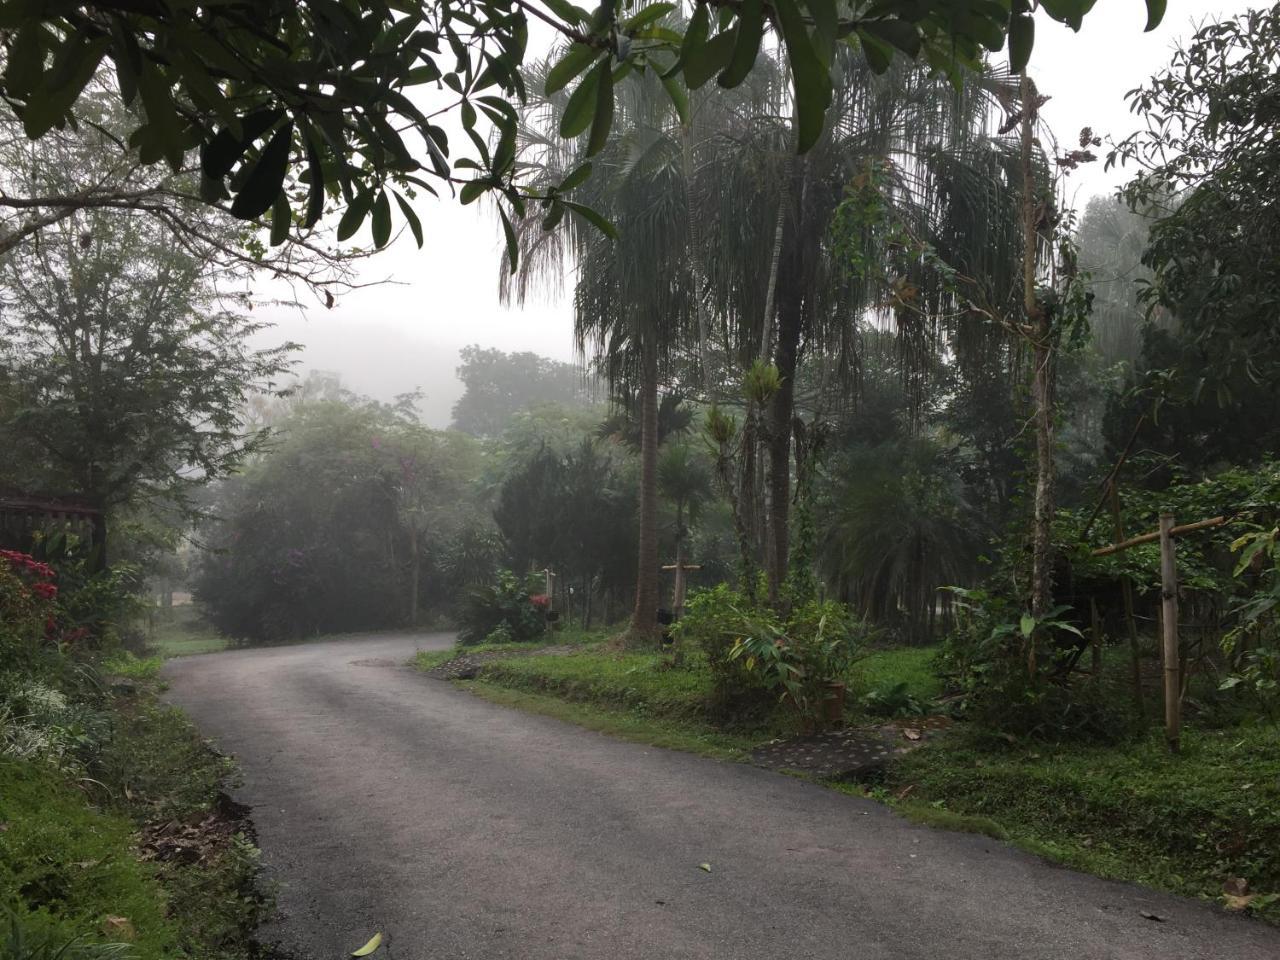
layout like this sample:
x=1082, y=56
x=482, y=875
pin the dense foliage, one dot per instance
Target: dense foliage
x=291, y=104
x=342, y=527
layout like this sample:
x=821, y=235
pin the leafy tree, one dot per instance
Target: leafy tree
x=633, y=302
x=498, y=385
x=1208, y=162
x=355, y=511
x=1112, y=241
x=124, y=373
x=289, y=103
x=901, y=524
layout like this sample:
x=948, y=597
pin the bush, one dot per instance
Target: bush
x=714, y=621
x=505, y=607
x=754, y=651
x=985, y=659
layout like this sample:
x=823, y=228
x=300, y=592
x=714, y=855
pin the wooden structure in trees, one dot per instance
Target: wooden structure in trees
x=23, y=515
x=678, y=592
x=1170, y=653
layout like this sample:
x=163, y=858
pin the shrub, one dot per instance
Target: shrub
x=714, y=621
x=754, y=652
x=985, y=658
x=503, y=605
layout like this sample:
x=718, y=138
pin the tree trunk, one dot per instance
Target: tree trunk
x=98, y=557
x=790, y=298
x=779, y=435
x=415, y=570
x=1041, y=334
x=696, y=271
x=644, y=618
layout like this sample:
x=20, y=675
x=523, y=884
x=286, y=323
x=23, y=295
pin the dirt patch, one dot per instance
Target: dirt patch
x=854, y=753
x=198, y=838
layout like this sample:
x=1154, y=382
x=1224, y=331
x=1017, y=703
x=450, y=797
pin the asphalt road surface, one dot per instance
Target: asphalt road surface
x=387, y=801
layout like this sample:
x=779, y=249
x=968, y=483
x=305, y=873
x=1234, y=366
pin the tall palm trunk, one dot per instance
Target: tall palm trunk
x=1041, y=334
x=415, y=573
x=696, y=271
x=644, y=619
x=790, y=294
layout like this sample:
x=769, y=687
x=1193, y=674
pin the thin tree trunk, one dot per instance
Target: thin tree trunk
x=790, y=296
x=644, y=618
x=696, y=272
x=415, y=570
x=1041, y=334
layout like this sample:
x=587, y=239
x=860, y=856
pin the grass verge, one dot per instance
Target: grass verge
x=624, y=724
x=132, y=842
x=184, y=633
x=1183, y=823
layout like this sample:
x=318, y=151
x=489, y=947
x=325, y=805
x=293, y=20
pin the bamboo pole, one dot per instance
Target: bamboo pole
x=1158, y=535
x=1169, y=629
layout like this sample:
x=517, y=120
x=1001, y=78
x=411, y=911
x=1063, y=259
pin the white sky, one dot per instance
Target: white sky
x=391, y=339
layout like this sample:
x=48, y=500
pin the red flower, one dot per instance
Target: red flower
x=45, y=591
x=540, y=600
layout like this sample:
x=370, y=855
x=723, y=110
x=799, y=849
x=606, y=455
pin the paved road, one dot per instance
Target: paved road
x=388, y=801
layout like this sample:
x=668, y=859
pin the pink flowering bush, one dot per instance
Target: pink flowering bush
x=27, y=612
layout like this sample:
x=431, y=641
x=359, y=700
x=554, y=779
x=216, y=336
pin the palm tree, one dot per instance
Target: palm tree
x=633, y=296
x=774, y=277
x=684, y=480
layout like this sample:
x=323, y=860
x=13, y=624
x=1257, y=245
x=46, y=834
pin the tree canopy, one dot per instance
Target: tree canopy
x=298, y=106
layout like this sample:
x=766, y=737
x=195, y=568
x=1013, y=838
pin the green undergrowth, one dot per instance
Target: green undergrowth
x=84, y=854
x=635, y=726
x=182, y=632
x=68, y=868
x=573, y=636
x=652, y=684
x=1183, y=823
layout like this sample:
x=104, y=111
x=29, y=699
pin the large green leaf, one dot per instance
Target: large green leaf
x=381, y=221
x=593, y=218
x=809, y=75
x=578, y=58
x=709, y=59
x=695, y=35
x=746, y=44
x=580, y=109
x=354, y=215
x=603, y=117
x=1155, y=12
x=266, y=178
x=1022, y=37
x=220, y=154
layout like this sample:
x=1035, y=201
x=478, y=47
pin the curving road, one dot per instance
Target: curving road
x=387, y=801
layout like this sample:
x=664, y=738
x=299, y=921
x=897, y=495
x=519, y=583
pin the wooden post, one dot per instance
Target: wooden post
x=1169, y=629
x=681, y=568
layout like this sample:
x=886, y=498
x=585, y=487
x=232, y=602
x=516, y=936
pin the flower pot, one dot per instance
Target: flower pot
x=833, y=692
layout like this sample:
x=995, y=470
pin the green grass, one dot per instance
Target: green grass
x=636, y=727
x=68, y=867
x=186, y=633
x=913, y=666
x=68, y=855
x=426, y=659
x=1134, y=812
x=122, y=663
